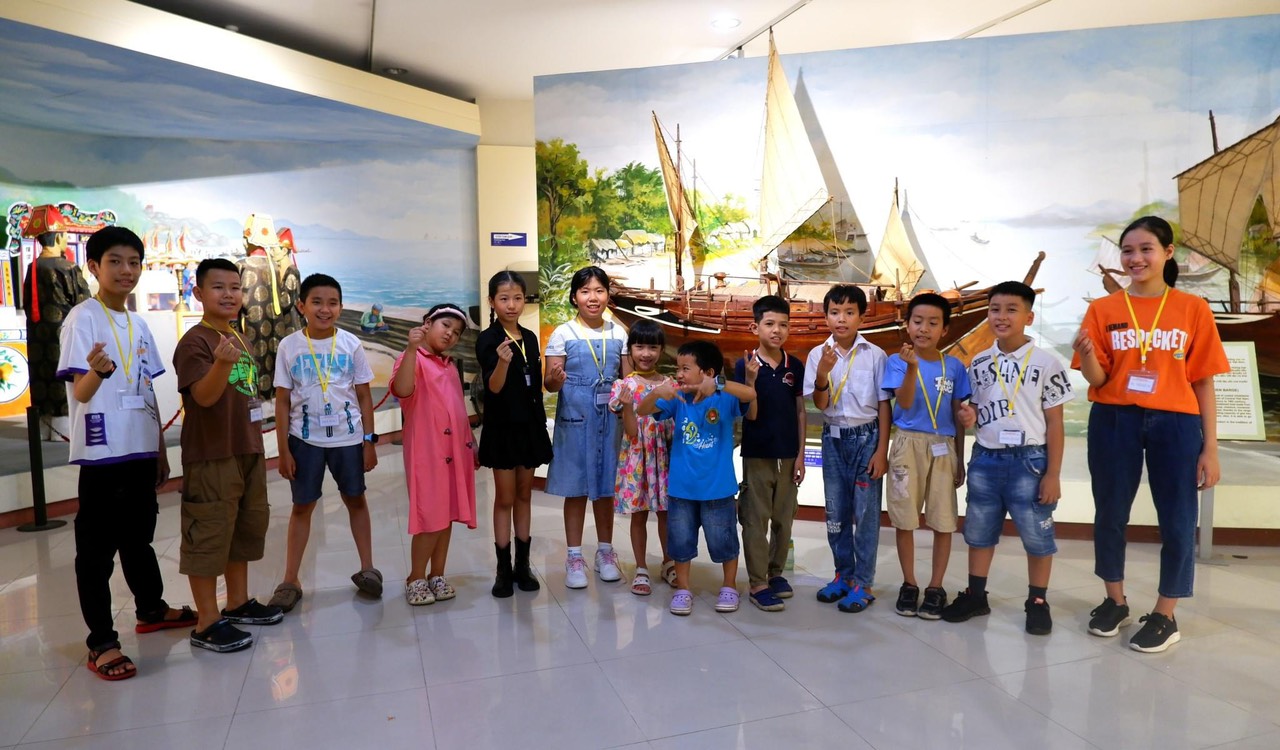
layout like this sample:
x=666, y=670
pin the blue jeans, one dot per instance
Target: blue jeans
x=853, y=500
x=1008, y=480
x=1119, y=438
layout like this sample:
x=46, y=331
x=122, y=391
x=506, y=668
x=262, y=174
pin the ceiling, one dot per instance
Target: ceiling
x=492, y=49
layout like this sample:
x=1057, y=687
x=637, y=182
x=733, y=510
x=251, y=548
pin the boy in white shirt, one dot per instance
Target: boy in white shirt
x=109, y=360
x=324, y=417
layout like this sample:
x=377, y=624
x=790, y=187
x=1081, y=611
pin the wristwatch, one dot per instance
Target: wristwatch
x=107, y=374
x=371, y=437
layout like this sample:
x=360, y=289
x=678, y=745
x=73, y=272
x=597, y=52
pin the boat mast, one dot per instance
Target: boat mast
x=1233, y=279
x=679, y=216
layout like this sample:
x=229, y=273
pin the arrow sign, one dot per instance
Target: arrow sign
x=517, y=239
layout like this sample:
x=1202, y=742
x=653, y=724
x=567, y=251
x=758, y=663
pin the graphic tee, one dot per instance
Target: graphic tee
x=944, y=381
x=224, y=429
x=326, y=416
x=1012, y=392
x=702, y=448
x=120, y=422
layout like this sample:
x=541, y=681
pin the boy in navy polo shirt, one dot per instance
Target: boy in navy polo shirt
x=772, y=454
x=701, y=484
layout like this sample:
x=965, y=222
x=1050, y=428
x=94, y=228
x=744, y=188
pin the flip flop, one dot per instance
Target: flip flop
x=286, y=596
x=369, y=581
x=186, y=618
x=103, y=671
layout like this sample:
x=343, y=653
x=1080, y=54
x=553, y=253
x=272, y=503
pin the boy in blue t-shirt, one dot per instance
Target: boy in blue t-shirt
x=926, y=460
x=701, y=485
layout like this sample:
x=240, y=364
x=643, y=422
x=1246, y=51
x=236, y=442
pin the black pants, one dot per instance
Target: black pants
x=118, y=511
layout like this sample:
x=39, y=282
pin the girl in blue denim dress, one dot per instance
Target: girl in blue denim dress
x=583, y=358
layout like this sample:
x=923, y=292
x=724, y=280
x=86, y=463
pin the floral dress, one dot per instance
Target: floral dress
x=643, y=460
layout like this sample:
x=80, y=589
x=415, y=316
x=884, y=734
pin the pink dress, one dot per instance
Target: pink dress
x=439, y=451
x=643, y=460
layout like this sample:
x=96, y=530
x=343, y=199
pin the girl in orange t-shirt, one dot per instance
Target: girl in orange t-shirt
x=1149, y=353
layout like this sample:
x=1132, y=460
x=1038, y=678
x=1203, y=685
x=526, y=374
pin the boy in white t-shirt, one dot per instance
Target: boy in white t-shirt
x=109, y=360
x=324, y=417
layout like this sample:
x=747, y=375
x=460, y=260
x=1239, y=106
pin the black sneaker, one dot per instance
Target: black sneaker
x=966, y=605
x=221, y=637
x=935, y=599
x=908, y=600
x=254, y=613
x=1157, y=634
x=1039, y=622
x=1108, y=618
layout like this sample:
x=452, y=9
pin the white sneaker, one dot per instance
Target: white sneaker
x=575, y=572
x=607, y=566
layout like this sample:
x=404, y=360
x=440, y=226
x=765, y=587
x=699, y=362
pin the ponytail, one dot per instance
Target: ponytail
x=1171, y=272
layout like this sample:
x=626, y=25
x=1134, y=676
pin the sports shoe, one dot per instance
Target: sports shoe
x=780, y=587
x=767, y=600
x=607, y=566
x=1108, y=618
x=681, y=602
x=935, y=600
x=966, y=605
x=856, y=600
x=575, y=572
x=834, y=591
x=1158, y=633
x=1039, y=622
x=908, y=600
x=221, y=637
x=254, y=613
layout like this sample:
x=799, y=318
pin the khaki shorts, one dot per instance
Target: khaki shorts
x=224, y=513
x=920, y=481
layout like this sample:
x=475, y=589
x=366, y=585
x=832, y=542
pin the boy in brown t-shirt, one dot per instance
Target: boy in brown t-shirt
x=224, y=483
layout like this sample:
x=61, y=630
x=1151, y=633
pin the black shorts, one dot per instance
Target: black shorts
x=346, y=466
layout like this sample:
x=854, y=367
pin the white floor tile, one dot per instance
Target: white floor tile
x=810, y=729
x=23, y=697
x=387, y=721
x=199, y=734
x=458, y=650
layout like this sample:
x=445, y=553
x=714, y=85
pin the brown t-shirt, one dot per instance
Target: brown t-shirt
x=222, y=430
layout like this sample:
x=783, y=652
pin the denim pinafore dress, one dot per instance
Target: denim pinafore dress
x=585, y=443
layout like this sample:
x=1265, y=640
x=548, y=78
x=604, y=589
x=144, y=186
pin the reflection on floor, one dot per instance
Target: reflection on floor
x=603, y=668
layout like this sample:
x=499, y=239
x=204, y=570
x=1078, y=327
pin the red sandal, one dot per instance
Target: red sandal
x=103, y=671
x=187, y=618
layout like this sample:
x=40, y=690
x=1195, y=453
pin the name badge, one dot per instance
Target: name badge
x=255, y=410
x=131, y=400
x=330, y=420
x=1143, y=381
x=602, y=398
x=1011, y=437
x=940, y=449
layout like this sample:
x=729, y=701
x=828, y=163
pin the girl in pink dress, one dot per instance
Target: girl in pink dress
x=641, y=484
x=439, y=451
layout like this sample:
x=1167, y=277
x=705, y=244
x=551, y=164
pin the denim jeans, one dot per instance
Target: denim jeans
x=1119, y=438
x=853, y=500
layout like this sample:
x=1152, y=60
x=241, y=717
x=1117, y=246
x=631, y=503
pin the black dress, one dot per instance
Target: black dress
x=515, y=422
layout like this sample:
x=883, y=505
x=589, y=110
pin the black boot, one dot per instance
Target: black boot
x=525, y=578
x=502, y=582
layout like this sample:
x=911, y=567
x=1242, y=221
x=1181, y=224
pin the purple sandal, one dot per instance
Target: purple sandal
x=682, y=602
x=728, y=600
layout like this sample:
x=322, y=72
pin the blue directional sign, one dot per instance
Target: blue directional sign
x=514, y=239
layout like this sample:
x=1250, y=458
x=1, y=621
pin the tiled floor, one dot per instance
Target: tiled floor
x=603, y=668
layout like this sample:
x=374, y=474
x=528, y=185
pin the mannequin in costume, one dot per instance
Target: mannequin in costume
x=271, y=282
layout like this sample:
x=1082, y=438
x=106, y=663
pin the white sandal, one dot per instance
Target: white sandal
x=640, y=583
x=669, y=572
x=418, y=593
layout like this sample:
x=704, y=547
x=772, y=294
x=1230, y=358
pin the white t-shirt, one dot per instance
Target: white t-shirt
x=995, y=375
x=565, y=332
x=328, y=417
x=120, y=423
x=855, y=395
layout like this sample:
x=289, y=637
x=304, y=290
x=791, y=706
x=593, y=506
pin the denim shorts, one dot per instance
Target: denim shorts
x=718, y=520
x=1007, y=480
x=346, y=464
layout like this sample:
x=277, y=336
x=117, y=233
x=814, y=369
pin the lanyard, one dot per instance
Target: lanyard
x=253, y=366
x=1144, y=342
x=924, y=391
x=853, y=353
x=327, y=376
x=1019, y=378
x=126, y=359
x=604, y=345
x=519, y=344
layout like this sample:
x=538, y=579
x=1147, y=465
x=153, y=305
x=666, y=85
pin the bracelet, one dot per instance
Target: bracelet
x=826, y=387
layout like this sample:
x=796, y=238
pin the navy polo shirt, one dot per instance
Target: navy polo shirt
x=773, y=433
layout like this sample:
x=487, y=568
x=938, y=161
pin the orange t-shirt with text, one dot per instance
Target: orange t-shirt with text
x=1185, y=347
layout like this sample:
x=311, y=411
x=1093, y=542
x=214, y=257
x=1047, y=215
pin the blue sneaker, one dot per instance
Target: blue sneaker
x=856, y=600
x=768, y=601
x=834, y=591
x=780, y=587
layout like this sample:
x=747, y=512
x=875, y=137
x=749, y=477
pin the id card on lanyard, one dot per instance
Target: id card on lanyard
x=1143, y=381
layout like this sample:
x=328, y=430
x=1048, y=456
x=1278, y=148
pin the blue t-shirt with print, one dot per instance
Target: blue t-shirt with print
x=948, y=378
x=701, y=465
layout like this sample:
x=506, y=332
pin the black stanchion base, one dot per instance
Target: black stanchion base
x=50, y=524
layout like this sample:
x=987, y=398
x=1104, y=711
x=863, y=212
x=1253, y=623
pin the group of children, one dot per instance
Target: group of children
x=630, y=440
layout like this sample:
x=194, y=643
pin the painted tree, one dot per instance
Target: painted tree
x=562, y=181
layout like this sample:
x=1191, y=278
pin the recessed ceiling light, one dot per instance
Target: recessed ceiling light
x=726, y=22
x=232, y=28
x=395, y=71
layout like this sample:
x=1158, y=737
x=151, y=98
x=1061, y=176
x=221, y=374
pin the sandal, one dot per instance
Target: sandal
x=669, y=572
x=640, y=584
x=418, y=593
x=441, y=589
x=682, y=602
x=728, y=600
x=186, y=618
x=369, y=581
x=104, y=671
x=856, y=600
x=286, y=596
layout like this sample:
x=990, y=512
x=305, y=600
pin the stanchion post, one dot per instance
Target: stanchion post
x=42, y=522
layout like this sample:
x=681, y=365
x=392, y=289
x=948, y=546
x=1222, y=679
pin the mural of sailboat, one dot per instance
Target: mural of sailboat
x=1217, y=199
x=1195, y=270
x=793, y=190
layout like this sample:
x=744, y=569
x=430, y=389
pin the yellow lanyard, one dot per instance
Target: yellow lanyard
x=1144, y=342
x=326, y=376
x=1019, y=379
x=519, y=344
x=244, y=350
x=853, y=353
x=126, y=358
x=934, y=407
x=604, y=345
